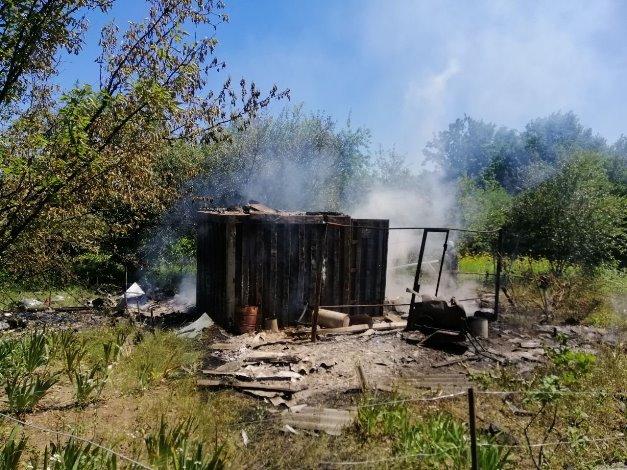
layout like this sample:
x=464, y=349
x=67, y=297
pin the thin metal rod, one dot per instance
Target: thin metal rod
x=499, y=267
x=419, y=265
x=431, y=229
x=444, y=247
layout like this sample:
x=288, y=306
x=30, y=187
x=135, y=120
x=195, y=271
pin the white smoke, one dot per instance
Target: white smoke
x=431, y=204
x=186, y=292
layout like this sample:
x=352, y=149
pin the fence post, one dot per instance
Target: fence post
x=473, y=429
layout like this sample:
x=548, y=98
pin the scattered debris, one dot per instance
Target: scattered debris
x=459, y=360
x=30, y=305
x=271, y=357
x=287, y=388
x=133, y=297
x=350, y=330
x=194, y=329
x=329, y=420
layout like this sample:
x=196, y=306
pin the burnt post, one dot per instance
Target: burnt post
x=322, y=253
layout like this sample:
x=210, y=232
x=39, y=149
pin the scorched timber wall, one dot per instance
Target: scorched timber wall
x=270, y=261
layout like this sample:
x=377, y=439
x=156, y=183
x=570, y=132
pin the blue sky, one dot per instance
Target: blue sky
x=405, y=69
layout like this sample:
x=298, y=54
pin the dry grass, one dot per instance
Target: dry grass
x=154, y=377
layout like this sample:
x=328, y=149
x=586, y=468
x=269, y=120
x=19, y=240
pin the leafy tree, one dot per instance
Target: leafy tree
x=78, y=167
x=482, y=207
x=572, y=218
x=464, y=149
x=617, y=165
x=560, y=134
x=484, y=152
x=293, y=161
x=391, y=170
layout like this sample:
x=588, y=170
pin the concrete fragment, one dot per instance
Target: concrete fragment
x=288, y=428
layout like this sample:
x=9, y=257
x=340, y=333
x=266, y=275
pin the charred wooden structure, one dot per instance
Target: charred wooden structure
x=257, y=256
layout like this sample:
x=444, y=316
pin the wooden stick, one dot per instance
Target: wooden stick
x=362, y=378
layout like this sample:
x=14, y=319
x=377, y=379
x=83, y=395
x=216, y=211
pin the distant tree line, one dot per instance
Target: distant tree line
x=558, y=189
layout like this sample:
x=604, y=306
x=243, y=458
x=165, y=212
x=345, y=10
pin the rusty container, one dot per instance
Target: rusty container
x=248, y=319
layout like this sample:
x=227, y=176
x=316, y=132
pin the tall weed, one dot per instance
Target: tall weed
x=11, y=450
x=24, y=391
x=173, y=448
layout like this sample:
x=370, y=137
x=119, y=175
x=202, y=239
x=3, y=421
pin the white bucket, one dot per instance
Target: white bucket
x=478, y=327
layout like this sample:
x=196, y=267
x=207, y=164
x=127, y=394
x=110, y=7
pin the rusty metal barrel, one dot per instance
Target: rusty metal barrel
x=248, y=319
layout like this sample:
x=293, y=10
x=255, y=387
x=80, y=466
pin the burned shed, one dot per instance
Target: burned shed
x=256, y=256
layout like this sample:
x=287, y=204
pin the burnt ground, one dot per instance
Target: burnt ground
x=326, y=373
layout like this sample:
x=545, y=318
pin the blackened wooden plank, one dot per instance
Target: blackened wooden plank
x=303, y=265
x=201, y=288
x=295, y=302
x=347, y=236
x=258, y=269
x=357, y=267
x=311, y=269
x=273, y=290
x=283, y=268
x=229, y=281
x=239, y=268
x=382, y=264
x=248, y=281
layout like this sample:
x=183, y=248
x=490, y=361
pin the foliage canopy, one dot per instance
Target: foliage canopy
x=77, y=166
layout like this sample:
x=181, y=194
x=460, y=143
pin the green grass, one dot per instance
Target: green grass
x=482, y=264
x=68, y=296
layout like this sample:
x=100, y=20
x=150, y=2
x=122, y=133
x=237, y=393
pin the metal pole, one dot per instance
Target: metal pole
x=473, y=429
x=499, y=267
x=419, y=265
x=445, y=246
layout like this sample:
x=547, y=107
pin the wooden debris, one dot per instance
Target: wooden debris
x=455, y=361
x=350, y=330
x=392, y=317
x=332, y=319
x=271, y=343
x=271, y=357
x=261, y=393
x=224, y=346
x=255, y=374
x=285, y=388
